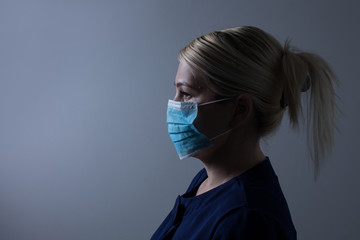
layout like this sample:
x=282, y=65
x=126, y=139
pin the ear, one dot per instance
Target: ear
x=243, y=110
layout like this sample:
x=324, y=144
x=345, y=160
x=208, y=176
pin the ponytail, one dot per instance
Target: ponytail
x=302, y=70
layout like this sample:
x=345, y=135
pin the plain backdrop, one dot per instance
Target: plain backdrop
x=84, y=84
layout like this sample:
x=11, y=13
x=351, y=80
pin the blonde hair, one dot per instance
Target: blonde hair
x=249, y=60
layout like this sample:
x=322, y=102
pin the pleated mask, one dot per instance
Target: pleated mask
x=187, y=139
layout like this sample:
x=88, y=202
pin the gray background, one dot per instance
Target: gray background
x=84, y=149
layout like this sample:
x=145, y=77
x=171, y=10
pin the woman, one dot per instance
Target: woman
x=232, y=88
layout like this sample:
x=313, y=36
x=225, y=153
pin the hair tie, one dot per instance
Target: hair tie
x=307, y=83
x=306, y=86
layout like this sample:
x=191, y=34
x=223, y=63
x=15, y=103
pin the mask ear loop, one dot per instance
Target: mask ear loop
x=221, y=134
x=215, y=101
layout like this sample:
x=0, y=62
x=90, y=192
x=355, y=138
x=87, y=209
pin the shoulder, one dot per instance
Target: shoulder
x=246, y=223
x=255, y=208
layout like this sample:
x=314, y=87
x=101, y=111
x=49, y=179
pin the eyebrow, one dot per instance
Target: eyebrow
x=179, y=84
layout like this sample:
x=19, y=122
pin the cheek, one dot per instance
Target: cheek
x=203, y=123
x=212, y=121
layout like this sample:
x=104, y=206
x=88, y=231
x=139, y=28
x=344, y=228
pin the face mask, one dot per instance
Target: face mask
x=187, y=139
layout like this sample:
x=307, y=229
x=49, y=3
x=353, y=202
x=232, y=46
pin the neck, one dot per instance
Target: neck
x=229, y=160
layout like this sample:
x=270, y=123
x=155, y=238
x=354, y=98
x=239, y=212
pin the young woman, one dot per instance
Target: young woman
x=232, y=88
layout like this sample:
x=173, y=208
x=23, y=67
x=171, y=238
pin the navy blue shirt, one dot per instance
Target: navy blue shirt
x=249, y=206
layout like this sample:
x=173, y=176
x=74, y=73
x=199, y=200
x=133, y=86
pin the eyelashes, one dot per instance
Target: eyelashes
x=184, y=93
x=184, y=96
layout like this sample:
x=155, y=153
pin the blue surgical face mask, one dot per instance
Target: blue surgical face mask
x=187, y=139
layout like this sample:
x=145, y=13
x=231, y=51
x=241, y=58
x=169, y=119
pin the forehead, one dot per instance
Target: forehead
x=186, y=74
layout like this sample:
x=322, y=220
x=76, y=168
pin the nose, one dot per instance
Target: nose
x=176, y=98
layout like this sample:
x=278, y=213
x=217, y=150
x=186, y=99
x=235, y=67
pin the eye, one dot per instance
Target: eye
x=185, y=96
x=184, y=93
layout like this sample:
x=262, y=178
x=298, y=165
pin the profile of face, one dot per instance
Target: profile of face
x=212, y=119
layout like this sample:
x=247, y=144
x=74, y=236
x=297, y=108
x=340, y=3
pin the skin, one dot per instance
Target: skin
x=232, y=153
